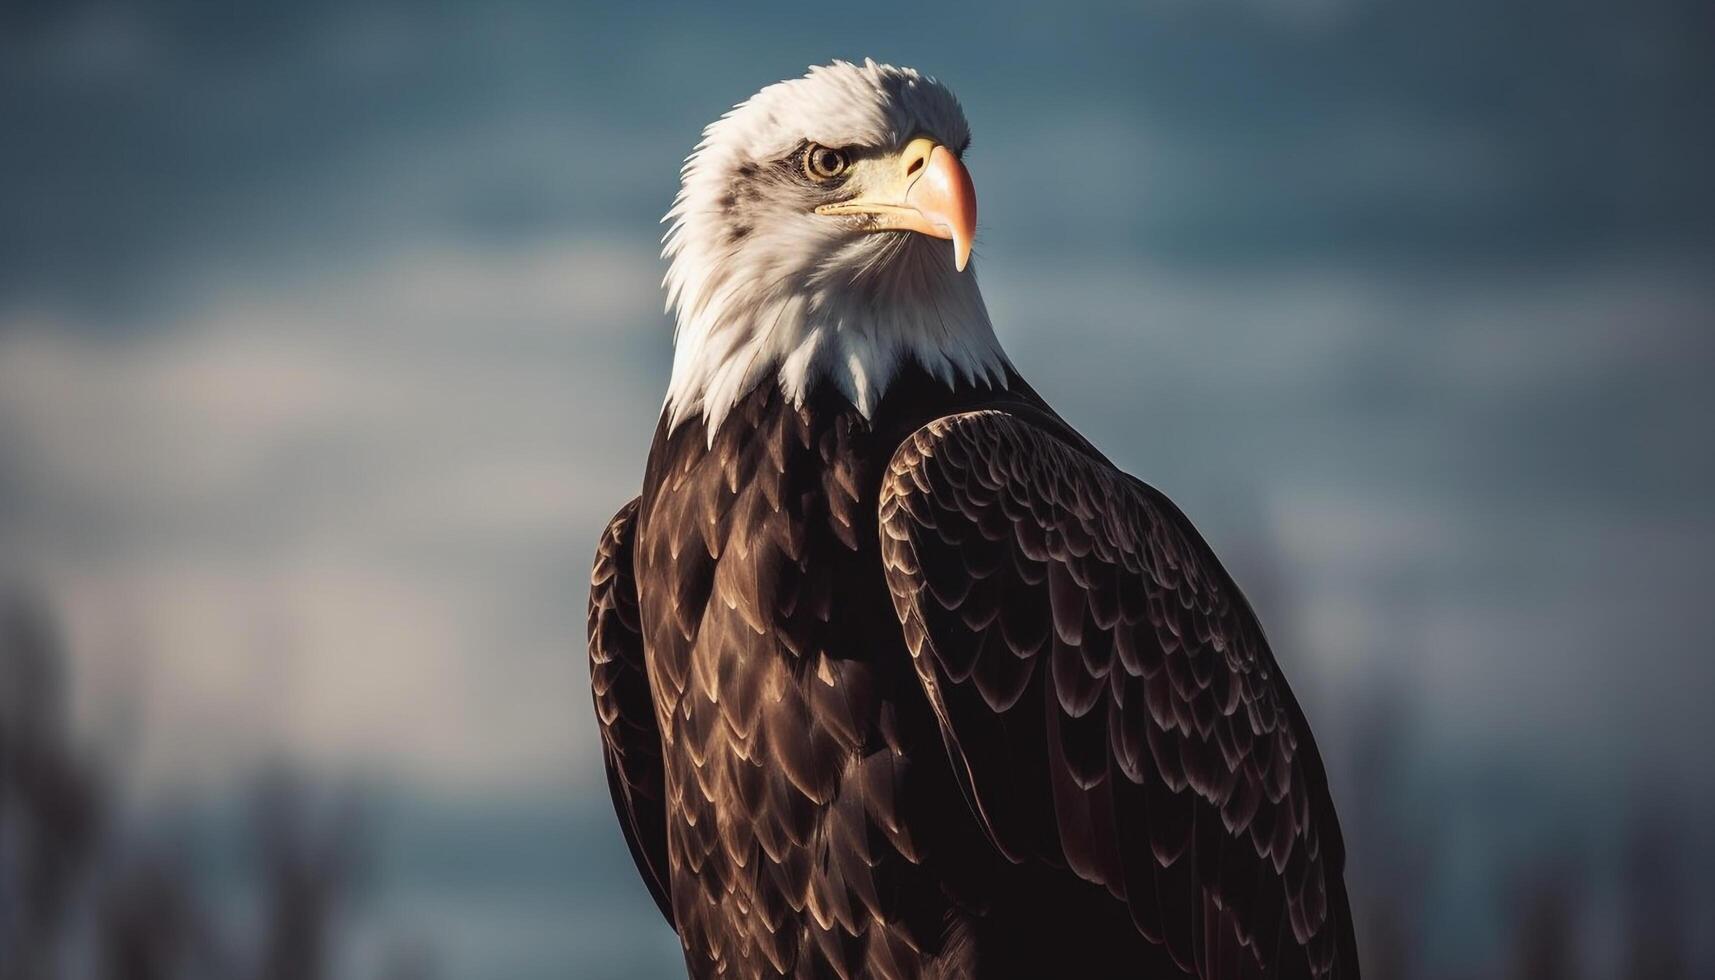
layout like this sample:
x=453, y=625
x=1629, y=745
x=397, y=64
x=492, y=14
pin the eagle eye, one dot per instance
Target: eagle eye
x=824, y=162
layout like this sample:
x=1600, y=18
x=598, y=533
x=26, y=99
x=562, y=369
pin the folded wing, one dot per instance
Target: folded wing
x=630, y=739
x=1108, y=698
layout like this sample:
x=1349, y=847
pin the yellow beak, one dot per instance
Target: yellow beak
x=924, y=189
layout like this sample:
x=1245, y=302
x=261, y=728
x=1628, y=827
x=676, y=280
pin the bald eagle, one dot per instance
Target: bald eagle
x=896, y=674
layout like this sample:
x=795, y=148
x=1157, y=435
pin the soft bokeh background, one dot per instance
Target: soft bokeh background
x=330, y=336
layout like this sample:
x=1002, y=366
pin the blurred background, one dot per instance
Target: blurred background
x=330, y=336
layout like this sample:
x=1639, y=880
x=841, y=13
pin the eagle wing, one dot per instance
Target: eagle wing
x=1108, y=699
x=630, y=739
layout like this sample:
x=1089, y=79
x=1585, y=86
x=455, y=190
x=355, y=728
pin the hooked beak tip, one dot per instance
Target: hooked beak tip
x=945, y=196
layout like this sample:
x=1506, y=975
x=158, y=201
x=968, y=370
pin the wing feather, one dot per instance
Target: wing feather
x=630, y=740
x=1108, y=699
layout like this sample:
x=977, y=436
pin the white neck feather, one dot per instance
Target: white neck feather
x=735, y=335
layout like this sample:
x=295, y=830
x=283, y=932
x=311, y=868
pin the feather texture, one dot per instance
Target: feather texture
x=895, y=717
x=1120, y=711
x=624, y=707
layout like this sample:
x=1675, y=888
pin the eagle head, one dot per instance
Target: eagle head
x=822, y=234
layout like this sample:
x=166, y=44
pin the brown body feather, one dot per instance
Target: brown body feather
x=942, y=693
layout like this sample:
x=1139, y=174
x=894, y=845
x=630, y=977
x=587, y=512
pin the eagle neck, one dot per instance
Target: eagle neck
x=854, y=340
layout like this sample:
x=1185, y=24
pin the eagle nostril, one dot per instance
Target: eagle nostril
x=916, y=165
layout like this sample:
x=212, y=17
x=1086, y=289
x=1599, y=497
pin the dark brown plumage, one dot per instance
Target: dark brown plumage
x=943, y=693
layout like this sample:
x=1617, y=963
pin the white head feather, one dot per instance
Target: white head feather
x=762, y=285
